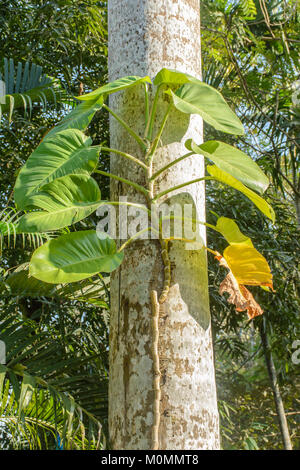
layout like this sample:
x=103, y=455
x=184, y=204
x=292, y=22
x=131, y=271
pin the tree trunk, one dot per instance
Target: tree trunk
x=275, y=388
x=144, y=36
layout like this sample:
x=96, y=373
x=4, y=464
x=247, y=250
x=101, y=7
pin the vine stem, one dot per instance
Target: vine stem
x=149, y=127
x=167, y=270
x=156, y=369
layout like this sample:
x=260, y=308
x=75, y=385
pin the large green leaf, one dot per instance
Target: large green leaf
x=74, y=256
x=173, y=77
x=79, y=118
x=66, y=152
x=224, y=177
x=202, y=99
x=113, y=87
x=233, y=161
x=64, y=201
x=231, y=232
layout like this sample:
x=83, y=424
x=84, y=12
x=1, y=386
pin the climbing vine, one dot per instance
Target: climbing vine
x=56, y=190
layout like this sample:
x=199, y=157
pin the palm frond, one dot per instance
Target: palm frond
x=50, y=390
x=18, y=284
x=9, y=231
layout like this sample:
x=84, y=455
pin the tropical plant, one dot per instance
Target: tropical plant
x=47, y=387
x=62, y=188
x=60, y=191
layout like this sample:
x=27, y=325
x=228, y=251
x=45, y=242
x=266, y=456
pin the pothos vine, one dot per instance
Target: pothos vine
x=54, y=190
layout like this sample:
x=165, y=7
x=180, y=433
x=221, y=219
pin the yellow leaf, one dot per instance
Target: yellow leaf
x=246, y=266
x=231, y=231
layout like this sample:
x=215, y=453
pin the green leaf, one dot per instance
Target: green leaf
x=224, y=177
x=200, y=98
x=65, y=201
x=66, y=152
x=113, y=87
x=2, y=377
x=73, y=257
x=231, y=232
x=79, y=118
x=233, y=161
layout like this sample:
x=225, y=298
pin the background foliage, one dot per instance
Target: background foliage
x=251, y=53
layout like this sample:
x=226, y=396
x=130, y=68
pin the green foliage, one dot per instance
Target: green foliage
x=248, y=9
x=64, y=153
x=65, y=201
x=72, y=257
x=233, y=161
x=201, y=99
x=36, y=403
x=26, y=86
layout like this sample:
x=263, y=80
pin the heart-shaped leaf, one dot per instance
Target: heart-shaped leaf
x=113, y=87
x=65, y=201
x=200, y=98
x=224, y=177
x=66, y=152
x=74, y=256
x=248, y=266
x=173, y=77
x=233, y=161
x=231, y=232
x=79, y=118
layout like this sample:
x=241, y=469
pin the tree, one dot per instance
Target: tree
x=145, y=36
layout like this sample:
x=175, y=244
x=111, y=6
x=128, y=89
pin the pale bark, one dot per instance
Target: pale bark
x=144, y=36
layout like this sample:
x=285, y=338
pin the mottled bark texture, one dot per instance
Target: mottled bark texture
x=144, y=36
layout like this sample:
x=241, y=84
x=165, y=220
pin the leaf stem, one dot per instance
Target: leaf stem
x=125, y=155
x=124, y=203
x=204, y=178
x=157, y=173
x=136, y=186
x=130, y=240
x=129, y=130
x=149, y=128
x=154, y=145
x=146, y=104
